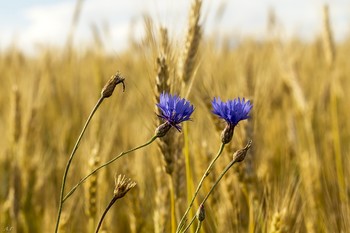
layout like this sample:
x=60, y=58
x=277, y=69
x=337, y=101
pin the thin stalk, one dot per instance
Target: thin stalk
x=189, y=178
x=192, y=220
x=172, y=205
x=92, y=223
x=251, y=225
x=212, y=188
x=337, y=147
x=219, y=179
x=105, y=212
x=198, y=226
x=239, y=156
x=105, y=164
x=199, y=186
x=71, y=158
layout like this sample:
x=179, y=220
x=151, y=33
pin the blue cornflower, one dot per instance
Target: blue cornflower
x=232, y=111
x=174, y=110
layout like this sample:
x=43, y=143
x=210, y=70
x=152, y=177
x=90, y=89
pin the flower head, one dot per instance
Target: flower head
x=232, y=111
x=122, y=186
x=201, y=213
x=174, y=110
x=109, y=87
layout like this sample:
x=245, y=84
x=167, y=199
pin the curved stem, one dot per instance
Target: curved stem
x=70, y=161
x=192, y=220
x=199, y=186
x=104, y=213
x=239, y=156
x=218, y=180
x=105, y=164
x=199, y=226
x=189, y=177
x=212, y=188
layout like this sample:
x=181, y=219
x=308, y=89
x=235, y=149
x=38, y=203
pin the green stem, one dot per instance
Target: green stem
x=215, y=184
x=189, y=178
x=218, y=180
x=199, y=186
x=199, y=226
x=337, y=147
x=105, y=164
x=70, y=161
x=172, y=205
x=239, y=157
x=192, y=220
x=212, y=188
x=105, y=212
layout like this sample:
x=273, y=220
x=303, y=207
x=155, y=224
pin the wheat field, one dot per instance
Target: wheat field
x=295, y=177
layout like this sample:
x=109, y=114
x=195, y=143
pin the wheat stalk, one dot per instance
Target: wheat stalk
x=168, y=144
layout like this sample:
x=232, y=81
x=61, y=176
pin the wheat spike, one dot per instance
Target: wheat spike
x=16, y=115
x=188, y=58
x=164, y=40
x=91, y=193
x=165, y=143
x=278, y=222
x=162, y=77
x=161, y=211
x=328, y=43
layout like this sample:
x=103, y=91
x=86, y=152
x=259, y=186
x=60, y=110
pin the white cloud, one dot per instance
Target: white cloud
x=50, y=24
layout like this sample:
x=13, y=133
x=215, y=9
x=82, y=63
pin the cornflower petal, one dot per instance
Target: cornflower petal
x=232, y=111
x=174, y=110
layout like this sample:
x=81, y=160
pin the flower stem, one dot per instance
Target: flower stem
x=239, y=157
x=199, y=186
x=105, y=212
x=199, y=226
x=192, y=220
x=212, y=188
x=70, y=161
x=218, y=180
x=189, y=177
x=105, y=164
x=172, y=204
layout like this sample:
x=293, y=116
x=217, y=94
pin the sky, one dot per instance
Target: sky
x=29, y=24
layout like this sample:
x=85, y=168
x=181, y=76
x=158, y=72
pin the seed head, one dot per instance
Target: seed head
x=122, y=186
x=108, y=89
x=239, y=155
x=163, y=129
x=200, y=213
x=227, y=134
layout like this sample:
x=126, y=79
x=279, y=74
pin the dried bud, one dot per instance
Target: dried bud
x=108, y=89
x=227, y=133
x=162, y=130
x=239, y=155
x=200, y=213
x=122, y=186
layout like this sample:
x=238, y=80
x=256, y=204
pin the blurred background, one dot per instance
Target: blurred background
x=35, y=23
x=289, y=58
